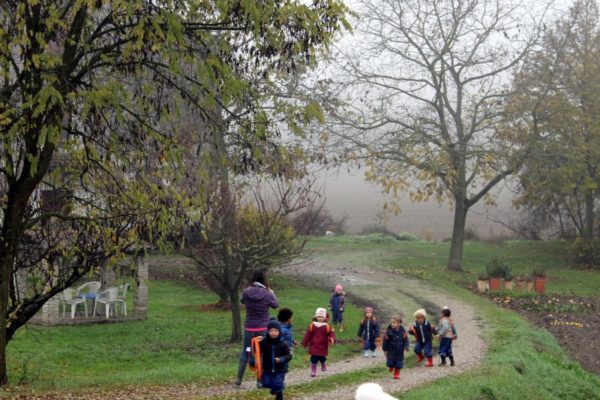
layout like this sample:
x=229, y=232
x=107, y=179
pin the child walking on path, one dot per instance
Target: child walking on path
x=284, y=317
x=423, y=332
x=337, y=303
x=318, y=337
x=446, y=333
x=369, y=332
x=395, y=343
x=275, y=356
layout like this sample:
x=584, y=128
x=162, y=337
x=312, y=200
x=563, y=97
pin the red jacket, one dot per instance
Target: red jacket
x=317, y=339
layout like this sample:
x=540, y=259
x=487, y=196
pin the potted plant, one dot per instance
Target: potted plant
x=496, y=270
x=508, y=279
x=482, y=282
x=539, y=280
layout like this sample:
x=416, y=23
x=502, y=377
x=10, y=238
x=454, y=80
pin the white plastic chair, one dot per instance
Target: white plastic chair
x=69, y=298
x=122, y=297
x=107, y=297
x=89, y=291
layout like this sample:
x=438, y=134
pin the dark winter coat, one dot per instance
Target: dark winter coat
x=317, y=339
x=395, y=342
x=337, y=303
x=271, y=349
x=258, y=299
x=423, y=333
x=369, y=329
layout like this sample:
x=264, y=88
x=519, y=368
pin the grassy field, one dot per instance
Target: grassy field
x=427, y=260
x=179, y=343
x=176, y=344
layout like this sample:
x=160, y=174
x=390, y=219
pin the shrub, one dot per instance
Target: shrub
x=497, y=267
x=406, y=236
x=585, y=253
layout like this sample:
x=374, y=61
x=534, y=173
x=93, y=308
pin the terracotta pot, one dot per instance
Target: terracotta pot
x=495, y=284
x=508, y=285
x=521, y=285
x=482, y=285
x=539, y=282
x=529, y=285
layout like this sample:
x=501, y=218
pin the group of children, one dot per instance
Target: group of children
x=275, y=349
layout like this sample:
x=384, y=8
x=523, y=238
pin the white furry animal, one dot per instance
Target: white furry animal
x=372, y=391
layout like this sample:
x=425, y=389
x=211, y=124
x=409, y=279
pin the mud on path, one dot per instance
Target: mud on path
x=389, y=292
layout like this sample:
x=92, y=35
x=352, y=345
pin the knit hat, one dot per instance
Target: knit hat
x=372, y=391
x=367, y=309
x=321, y=312
x=338, y=288
x=273, y=324
x=422, y=312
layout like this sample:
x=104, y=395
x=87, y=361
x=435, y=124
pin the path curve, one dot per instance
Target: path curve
x=395, y=293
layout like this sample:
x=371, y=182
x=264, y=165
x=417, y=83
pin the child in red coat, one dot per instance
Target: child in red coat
x=318, y=337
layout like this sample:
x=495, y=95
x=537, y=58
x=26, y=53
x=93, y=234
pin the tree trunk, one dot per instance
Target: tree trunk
x=458, y=234
x=6, y=261
x=588, y=228
x=236, y=316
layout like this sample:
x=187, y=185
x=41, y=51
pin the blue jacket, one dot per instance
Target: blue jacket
x=395, y=342
x=287, y=334
x=337, y=303
x=422, y=333
x=369, y=329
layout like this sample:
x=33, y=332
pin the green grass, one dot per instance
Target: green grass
x=427, y=260
x=523, y=362
x=179, y=343
x=176, y=344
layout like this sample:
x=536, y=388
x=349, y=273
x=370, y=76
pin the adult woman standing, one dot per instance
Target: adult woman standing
x=258, y=298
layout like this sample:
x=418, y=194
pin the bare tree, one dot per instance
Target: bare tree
x=252, y=231
x=421, y=98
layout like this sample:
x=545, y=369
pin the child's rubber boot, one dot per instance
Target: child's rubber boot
x=323, y=367
x=420, y=357
x=333, y=327
x=396, y=373
x=366, y=354
x=451, y=361
x=390, y=369
x=279, y=396
x=429, y=362
x=313, y=370
x=443, y=361
x=374, y=353
x=342, y=327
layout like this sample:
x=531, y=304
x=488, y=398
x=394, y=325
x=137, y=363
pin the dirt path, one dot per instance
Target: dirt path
x=394, y=293
x=391, y=292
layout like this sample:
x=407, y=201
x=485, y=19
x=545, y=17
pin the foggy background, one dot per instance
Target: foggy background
x=348, y=193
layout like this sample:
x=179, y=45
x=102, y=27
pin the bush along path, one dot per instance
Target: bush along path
x=389, y=293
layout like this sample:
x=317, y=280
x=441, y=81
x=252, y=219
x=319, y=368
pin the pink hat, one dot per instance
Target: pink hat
x=338, y=288
x=367, y=309
x=321, y=312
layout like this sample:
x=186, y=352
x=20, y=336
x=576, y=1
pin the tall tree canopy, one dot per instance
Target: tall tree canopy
x=87, y=90
x=562, y=88
x=421, y=98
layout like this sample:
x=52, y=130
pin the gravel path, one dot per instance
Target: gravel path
x=395, y=293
